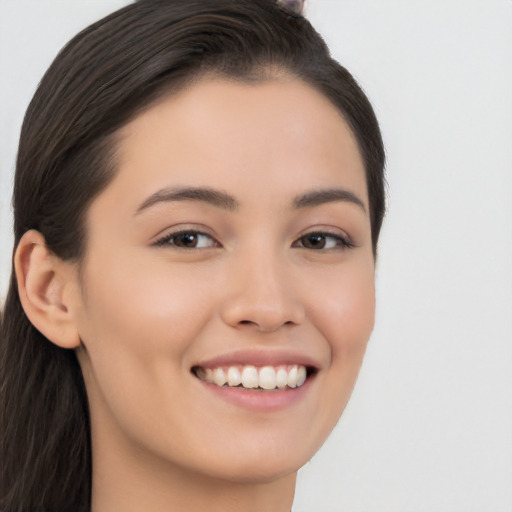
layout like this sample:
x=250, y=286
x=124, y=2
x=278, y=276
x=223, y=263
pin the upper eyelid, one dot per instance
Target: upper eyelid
x=161, y=239
x=346, y=240
x=333, y=232
x=323, y=231
x=185, y=227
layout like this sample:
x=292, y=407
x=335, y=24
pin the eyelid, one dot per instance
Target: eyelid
x=346, y=241
x=343, y=241
x=163, y=241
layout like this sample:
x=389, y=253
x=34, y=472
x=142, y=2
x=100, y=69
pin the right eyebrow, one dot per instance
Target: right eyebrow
x=208, y=195
x=330, y=195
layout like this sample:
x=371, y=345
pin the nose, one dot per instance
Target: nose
x=262, y=295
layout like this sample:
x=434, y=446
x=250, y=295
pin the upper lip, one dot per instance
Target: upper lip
x=260, y=358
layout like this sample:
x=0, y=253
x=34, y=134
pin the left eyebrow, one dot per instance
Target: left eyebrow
x=330, y=195
x=216, y=198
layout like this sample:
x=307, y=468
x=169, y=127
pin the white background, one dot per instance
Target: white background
x=429, y=428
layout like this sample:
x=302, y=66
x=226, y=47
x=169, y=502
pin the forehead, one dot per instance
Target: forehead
x=280, y=134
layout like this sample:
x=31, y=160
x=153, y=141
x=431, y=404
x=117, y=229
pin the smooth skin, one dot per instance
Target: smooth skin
x=266, y=187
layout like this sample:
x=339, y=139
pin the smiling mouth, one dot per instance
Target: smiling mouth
x=265, y=378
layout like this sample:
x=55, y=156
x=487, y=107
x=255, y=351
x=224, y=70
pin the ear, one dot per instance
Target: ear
x=46, y=286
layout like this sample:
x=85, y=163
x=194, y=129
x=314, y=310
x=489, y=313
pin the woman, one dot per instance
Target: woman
x=198, y=199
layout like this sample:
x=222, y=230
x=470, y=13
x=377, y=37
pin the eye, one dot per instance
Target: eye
x=188, y=239
x=323, y=241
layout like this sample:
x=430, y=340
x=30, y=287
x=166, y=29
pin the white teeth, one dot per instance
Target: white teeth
x=249, y=377
x=301, y=376
x=234, y=376
x=267, y=378
x=281, y=378
x=293, y=377
x=219, y=377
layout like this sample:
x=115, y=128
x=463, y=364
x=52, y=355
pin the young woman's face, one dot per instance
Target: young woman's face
x=234, y=237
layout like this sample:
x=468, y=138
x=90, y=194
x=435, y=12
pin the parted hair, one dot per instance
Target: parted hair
x=101, y=79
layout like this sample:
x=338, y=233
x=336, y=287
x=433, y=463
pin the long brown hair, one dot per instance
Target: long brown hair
x=102, y=78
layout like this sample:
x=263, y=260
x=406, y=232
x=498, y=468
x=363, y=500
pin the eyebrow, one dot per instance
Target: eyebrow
x=207, y=195
x=225, y=201
x=319, y=197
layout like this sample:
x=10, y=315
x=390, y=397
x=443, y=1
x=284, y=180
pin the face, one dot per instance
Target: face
x=234, y=243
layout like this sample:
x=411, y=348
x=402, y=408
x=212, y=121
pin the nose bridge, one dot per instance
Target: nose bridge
x=261, y=291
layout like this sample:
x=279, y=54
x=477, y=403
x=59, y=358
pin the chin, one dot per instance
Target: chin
x=260, y=464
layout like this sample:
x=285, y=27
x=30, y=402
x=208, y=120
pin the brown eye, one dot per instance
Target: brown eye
x=326, y=241
x=313, y=241
x=187, y=240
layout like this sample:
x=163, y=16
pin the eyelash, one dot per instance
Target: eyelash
x=169, y=239
x=341, y=242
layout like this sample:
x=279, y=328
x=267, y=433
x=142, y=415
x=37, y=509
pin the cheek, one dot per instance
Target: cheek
x=143, y=307
x=138, y=324
x=342, y=309
x=346, y=310
x=346, y=319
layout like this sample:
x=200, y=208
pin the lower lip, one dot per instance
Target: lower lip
x=260, y=401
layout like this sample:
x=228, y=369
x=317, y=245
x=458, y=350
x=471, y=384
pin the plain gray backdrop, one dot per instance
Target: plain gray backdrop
x=429, y=427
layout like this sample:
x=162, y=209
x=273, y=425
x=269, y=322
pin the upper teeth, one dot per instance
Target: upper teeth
x=250, y=377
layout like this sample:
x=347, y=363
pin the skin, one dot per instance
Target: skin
x=144, y=313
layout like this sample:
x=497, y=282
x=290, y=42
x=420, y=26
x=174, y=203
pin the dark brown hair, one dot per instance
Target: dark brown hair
x=102, y=78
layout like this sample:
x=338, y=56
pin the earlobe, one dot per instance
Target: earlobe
x=45, y=285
